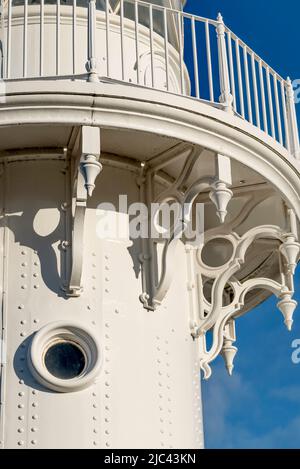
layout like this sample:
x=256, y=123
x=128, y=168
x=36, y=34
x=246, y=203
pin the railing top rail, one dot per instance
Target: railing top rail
x=256, y=56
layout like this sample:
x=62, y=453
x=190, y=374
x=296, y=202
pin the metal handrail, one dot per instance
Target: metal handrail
x=201, y=58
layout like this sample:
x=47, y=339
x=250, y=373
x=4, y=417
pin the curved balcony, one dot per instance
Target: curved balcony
x=148, y=45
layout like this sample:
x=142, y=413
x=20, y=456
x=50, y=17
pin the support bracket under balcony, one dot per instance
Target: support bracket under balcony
x=86, y=169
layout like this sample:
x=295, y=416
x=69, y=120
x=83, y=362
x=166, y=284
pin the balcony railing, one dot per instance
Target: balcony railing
x=148, y=45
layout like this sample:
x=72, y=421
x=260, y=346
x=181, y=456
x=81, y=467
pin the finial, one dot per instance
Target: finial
x=90, y=168
x=228, y=353
x=220, y=17
x=287, y=307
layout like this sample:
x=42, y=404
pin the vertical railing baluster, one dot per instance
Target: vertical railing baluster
x=240, y=81
x=137, y=53
x=270, y=100
x=151, y=44
x=166, y=43
x=209, y=66
x=107, y=26
x=25, y=34
x=195, y=58
x=2, y=56
x=246, y=69
x=226, y=97
x=57, y=37
x=254, y=79
x=8, y=40
x=279, y=126
x=92, y=62
x=263, y=97
x=292, y=120
x=122, y=38
x=285, y=116
x=182, y=87
x=41, y=37
x=74, y=34
x=231, y=69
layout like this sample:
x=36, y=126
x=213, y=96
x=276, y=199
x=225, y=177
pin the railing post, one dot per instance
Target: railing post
x=226, y=97
x=292, y=120
x=92, y=62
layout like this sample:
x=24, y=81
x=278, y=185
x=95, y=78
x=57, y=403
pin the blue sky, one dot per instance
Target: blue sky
x=259, y=407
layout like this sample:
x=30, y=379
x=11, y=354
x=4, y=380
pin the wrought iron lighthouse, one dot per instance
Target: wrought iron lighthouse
x=112, y=111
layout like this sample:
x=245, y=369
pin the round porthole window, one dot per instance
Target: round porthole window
x=64, y=357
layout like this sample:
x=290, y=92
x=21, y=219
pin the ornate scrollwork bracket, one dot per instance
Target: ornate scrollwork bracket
x=85, y=171
x=219, y=318
x=220, y=194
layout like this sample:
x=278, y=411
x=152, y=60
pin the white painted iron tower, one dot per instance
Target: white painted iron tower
x=107, y=105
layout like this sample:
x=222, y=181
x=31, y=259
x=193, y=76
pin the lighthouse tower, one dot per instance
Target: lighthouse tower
x=149, y=196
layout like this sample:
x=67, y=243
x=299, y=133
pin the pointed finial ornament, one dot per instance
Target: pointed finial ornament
x=290, y=249
x=90, y=168
x=228, y=353
x=221, y=196
x=220, y=17
x=287, y=307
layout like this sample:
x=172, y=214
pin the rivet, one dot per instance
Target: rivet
x=94, y=418
x=107, y=396
x=35, y=275
x=23, y=275
x=23, y=321
x=24, y=264
x=106, y=267
x=94, y=394
x=106, y=290
x=21, y=381
x=106, y=279
x=107, y=444
x=107, y=384
x=95, y=430
x=88, y=307
x=35, y=417
x=106, y=256
x=21, y=394
x=95, y=443
x=33, y=429
x=106, y=420
x=21, y=370
x=20, y=430
x=36, y=321
x=20, y=406
x=23, y=252
x=95, y=406
x=34, y=391
x=36, y=263
x=23, y=287
x=106, y=324
x=36, y=286
x=117, y=311
x=106, y=408
x=94, y=323
x=21, y=443
x=34, y=442
x=21, y=307
x=106, y=432
x=23, y=334
x=93, y=265
x=34, y=404
x=93, y=287
x=94, y=277
x=21, y=417
x=106, y=336
x=93, y=254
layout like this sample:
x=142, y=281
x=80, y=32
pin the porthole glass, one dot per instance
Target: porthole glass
x=65, y=360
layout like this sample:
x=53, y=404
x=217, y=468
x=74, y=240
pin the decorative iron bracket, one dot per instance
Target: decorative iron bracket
x=217, y=317
x=220, y=195
x=86, y=169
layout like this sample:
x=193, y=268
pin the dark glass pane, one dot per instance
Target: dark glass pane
x=64, y=360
